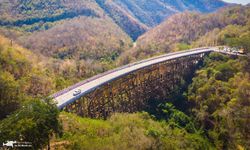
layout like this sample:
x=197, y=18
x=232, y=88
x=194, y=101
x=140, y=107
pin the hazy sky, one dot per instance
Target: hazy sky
x=238, y=1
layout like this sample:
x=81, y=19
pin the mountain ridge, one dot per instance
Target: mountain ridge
x=134, y=17
x=149, y=13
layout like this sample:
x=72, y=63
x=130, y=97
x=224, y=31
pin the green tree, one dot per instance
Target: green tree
x=182, y=46
x=224, y=72
x=36, y=121
x=220, y=101
x=245, y=42
x=9, y=94
x=176, y=118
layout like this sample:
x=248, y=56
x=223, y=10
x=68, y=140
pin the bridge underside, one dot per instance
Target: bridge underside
x=132, y=92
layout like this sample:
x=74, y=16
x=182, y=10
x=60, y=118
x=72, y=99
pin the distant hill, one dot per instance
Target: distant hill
x=63, y=28
x=82, y=37
x=27, y=12
x=186, y=30
x=132, y=15
x=153, y=12
x=131, y=25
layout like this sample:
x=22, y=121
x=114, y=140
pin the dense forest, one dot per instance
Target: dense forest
x=18, y=13
x=220, y=100
x=212, y=111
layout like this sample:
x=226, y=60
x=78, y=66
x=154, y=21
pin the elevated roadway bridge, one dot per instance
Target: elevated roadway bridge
x=130, y=87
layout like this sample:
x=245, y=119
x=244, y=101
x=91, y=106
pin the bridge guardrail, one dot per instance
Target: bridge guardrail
x=117, y=69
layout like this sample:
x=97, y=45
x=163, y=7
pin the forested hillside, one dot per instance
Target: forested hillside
x=46, y=46
x=26, y=75
x=126, y=21
x=136, y=16
x=79, y=33
x=21, y=76
x=79, y=38
x=76, y=39
x=187, y=30
x=153, y=12
x=63, y=29
x=220, y=101
x=28, y=12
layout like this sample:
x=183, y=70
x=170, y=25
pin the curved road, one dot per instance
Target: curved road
x=65, y=97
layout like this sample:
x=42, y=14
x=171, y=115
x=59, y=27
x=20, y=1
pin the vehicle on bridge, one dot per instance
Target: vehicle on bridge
x=241, y=51
x=77, y=92
x=234, y=50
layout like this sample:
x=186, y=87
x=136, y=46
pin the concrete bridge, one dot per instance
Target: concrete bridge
x=128, y=88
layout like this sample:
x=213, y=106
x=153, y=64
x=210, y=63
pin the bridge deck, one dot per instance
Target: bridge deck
x=66, y=97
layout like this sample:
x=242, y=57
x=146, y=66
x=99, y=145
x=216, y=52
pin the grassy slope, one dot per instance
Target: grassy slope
x=126, y=131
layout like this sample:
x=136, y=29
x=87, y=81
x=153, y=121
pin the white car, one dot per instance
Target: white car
x=76, y=92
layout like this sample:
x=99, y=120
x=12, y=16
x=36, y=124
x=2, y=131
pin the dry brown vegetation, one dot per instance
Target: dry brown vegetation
x=136, y=16
x=63, y=28
x=124, y=19
x=21, y=76
x=184, y=28
x=83, y=38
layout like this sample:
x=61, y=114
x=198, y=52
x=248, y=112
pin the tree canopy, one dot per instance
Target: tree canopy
x=36, y=122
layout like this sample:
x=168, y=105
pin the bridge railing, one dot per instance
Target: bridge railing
x=117, y=69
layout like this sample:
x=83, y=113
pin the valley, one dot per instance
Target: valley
x=47, y=46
